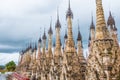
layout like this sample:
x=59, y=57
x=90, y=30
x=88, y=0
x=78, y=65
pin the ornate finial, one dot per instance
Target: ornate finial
x=69, y=12
x=78, y=25
x=50, y=30
x=111, y=20
x=92, y=26
x=51, y=22
x=110, y=13
x=57, y=13
x=58, y=25
x=79, y=38
x=44, y=35
x=40, y=37
x=69, y=4
x=65, y=37
x=92, y=16
x=89, y=40
x=89, y=37
x=40, y=40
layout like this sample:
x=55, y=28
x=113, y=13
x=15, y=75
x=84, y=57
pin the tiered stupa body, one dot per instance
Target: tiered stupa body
x=81, y=58
x=70, y=51
x=38, y=59
x=57, y=52
x=49, y=57
x=69, y=63
x=91, y=38
x=34, y=63
x=43, y=57
x=102, y=65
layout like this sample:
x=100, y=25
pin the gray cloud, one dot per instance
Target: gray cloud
x=20, y=20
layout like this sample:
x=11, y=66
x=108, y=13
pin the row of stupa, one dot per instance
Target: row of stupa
x=69, y=63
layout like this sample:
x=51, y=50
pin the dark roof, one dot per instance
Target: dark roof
x=50, y=30
x=60, y=43
x=65, y=37
x=92, y=26
x=54, y=44
x=111, y=20
x=40, y=40
x=58, y=25
x=69, y=12
x=89, y=37
x=44, y=36
x=79, y=35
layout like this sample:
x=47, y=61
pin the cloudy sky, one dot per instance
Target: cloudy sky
x=21, y=20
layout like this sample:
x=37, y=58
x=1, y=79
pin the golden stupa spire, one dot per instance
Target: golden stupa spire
x=101, y=29
x=57, y=27
x=70, y=46
x=39, y=47
x=50, y=32
x=44, y=41
x=79, y=45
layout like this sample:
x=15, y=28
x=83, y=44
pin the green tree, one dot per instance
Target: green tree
x=10, y=66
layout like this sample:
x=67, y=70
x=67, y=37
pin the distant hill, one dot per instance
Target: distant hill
x=2, y=67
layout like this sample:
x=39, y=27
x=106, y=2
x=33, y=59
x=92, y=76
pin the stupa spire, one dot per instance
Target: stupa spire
x=70, y=42
x=92, y=26
x=50, y=29
x=69, y=11
x=57, y=13
x=58, y=25
x=50, y=32
x=58, y=43
x=79, y=38
x=44, y=35
x=65, y=36
x=101, y=29
x=44, y=42
x=111, y=21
